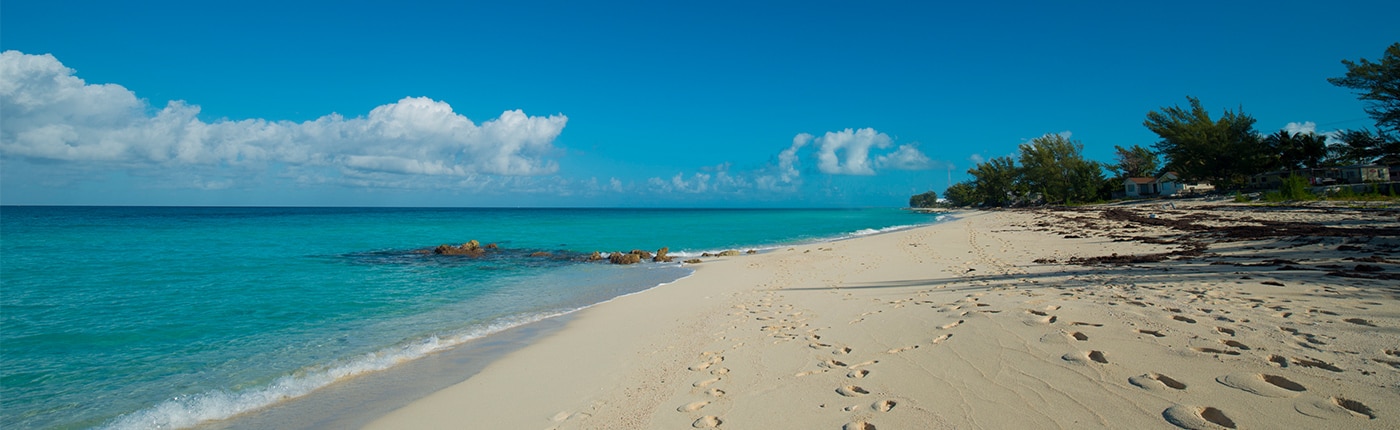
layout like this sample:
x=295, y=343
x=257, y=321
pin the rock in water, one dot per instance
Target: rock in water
x=595, y=256
x=729, y=253
x=661, y=256
x=628, y=258
x=471, y=248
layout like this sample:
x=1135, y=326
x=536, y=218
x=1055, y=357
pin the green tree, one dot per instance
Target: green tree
x=1378, y=84
x=1135, y=162
x=1363, y=147
x=925, y=200
x=962, y=194
x=1292, y=151
x=1224, y=151
x=998, y=181
x=1054, y=166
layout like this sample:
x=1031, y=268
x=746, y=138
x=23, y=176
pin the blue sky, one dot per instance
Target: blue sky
x=624, y=103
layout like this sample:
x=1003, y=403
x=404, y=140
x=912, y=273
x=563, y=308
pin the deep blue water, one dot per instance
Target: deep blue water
x=144, y=317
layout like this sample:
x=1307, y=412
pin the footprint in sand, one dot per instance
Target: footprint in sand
x=899, y=350
x=707, y=364
x=1086, y=324
x=884, y=405
x=1183, y=319
x=1197, y=418
x=1313, y=362
x=940, y=339
x=951, y=324
x=708, y=421
x=693, y=406
x=858, y=374
x=858, y=425
x=841, y=351
x=1079, y=336
x=862, y=364
x=852, y=391
x=1333, y=408
x=715, y=392
x=1224, y=330
x=1085, y=357
x=1152, y=381
x=1359, y=321
x=1208, y=350
x=705, y=383
x=831, y=364
x=1234, y=344
x=1153, y=333
x=1262, y=384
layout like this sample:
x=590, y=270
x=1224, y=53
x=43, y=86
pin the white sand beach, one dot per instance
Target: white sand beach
x=988, y=321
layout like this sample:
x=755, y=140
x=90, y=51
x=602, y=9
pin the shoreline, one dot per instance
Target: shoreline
x=355, y=401
x=956, y=325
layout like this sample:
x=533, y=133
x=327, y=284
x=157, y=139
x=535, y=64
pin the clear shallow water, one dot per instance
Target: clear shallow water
x=134, y=317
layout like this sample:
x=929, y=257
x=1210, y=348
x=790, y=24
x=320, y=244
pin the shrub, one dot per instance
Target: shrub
x=1294, y=188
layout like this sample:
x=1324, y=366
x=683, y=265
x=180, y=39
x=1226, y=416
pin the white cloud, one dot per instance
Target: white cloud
x=906, y=157
x=49, y=114
x=1305, y=127
x=787, y=160
x=976, y=159
x=855, y=145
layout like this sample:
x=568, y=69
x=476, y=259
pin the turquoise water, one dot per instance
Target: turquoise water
x=139, y=317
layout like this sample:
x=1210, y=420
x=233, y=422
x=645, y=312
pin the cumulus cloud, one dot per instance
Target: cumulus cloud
x=49, y=115
x=1305, y=127
x=787, y=160
x=906, y=157
x=854, y=145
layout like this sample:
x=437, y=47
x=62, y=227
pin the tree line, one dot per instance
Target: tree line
x=1225, y=151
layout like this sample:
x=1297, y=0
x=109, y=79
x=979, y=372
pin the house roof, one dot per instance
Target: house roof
x=1142, y=180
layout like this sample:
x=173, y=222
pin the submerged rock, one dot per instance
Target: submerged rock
x=541, y=254
x=692, y=261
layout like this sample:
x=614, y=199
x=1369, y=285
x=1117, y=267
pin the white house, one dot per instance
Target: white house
x=1169, y=184
x=1140, y=187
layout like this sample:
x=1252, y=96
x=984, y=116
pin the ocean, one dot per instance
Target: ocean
x=166, y=317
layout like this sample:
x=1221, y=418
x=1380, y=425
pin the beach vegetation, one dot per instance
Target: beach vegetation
x=1362, y=147
x=998, y=182
x=962, y=194
x=1134, y=162
x=1224, y=151
x=1053, y=166
x=1293, y=188
x=1378, y=85
x=1287, y=150
x=924, y=200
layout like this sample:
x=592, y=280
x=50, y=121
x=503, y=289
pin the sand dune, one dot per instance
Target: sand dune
x=1198, y=316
